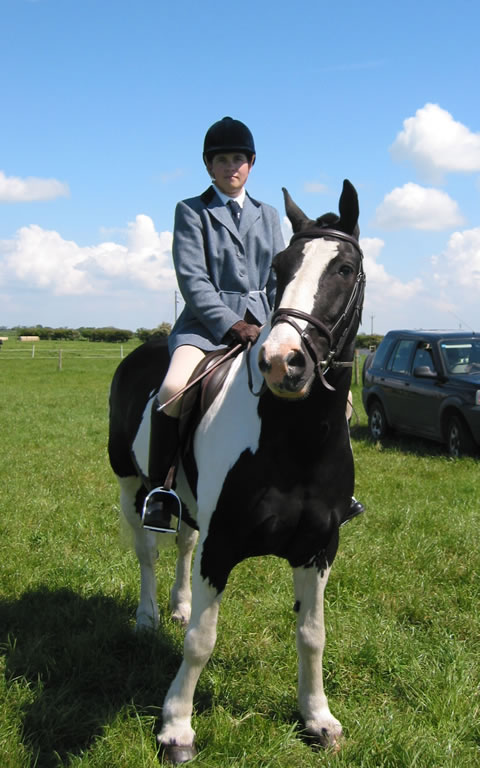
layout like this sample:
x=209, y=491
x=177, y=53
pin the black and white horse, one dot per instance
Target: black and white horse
x=274, y=467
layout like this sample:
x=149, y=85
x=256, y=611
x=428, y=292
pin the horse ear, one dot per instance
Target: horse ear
x=349, y=209
x=294, y=213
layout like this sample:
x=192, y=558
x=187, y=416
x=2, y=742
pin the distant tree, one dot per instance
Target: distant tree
x=72, y=334
x=161, y=331
x=367, y=340
x=110, y=334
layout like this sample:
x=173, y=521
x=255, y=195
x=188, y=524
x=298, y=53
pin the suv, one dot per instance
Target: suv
x=425, y=383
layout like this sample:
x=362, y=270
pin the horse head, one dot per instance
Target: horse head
x=320, y=288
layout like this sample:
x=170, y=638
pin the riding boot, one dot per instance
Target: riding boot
x=356, y=508
x=161, y=503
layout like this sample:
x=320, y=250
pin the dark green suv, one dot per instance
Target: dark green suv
x=426, y=383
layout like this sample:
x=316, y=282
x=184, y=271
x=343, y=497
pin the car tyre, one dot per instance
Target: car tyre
x=377, y=422
x=459, y=439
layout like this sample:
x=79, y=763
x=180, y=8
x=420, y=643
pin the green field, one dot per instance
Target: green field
x=78, y=688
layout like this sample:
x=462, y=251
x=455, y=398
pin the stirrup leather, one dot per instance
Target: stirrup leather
x=153, y=523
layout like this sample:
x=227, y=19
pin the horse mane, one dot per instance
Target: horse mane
x=327, y=220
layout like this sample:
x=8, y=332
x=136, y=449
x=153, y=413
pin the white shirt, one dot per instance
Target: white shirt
x=225, y=198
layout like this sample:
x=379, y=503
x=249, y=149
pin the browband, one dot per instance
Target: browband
x=327, y=232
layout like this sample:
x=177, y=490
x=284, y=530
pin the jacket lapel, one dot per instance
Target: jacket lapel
x=250, y=214
x=221, y=212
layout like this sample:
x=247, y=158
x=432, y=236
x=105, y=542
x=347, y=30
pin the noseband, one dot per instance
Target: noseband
x=338, y=334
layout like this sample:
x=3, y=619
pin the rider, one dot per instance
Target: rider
x=223, y=262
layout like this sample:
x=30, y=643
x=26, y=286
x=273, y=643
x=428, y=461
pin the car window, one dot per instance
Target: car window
x=382, y=353
x=423, y=356
x=401, y=356
x=461, y=355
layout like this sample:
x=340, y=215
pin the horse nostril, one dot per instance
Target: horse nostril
x=262, y=362
x=296, y=361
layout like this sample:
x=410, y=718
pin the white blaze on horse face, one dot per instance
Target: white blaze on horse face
x=300, y=293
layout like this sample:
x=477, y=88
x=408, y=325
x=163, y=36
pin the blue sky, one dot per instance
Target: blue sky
x=104, y=105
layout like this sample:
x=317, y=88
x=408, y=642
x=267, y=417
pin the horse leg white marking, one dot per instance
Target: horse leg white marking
x=181, y=593
x=146, y=545
x=309, y=591
x=199, y=643
x=147, y=552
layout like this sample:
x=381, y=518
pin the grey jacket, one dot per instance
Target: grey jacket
x=222, y=272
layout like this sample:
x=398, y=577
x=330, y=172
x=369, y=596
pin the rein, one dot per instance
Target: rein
x=344, y=323
x=228, y=354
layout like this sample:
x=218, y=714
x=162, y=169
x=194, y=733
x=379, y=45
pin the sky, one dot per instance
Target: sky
x=104, y=105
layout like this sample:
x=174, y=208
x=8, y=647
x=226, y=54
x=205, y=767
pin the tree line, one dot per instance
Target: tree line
x=109, y=333
x=363, y=341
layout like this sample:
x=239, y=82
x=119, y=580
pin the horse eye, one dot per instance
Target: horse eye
x=345, y=270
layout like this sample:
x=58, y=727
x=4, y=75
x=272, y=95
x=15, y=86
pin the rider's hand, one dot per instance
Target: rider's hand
x=244, y=332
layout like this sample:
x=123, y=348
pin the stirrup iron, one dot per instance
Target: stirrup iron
x=149, y=522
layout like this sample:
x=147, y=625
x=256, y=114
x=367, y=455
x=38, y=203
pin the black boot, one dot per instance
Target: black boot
x=161, y=503
x=356, y=508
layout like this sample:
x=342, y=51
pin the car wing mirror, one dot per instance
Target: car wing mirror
x=424, y=372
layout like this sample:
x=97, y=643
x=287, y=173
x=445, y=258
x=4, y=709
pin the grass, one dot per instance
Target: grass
x=13, y=349
x=78, y=688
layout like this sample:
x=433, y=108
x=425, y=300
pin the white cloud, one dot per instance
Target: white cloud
x=43, y=259
x=379, y=283
x=415, y=207
x=459, y=264
x=16, y=190
x=436, y=144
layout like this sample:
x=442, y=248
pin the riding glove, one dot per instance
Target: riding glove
x=244, y=332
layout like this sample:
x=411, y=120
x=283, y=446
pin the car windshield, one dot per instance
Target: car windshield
x=461, y=355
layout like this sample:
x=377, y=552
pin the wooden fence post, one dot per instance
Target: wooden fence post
x=33, y=350
x=357, y=366
x=59, y=359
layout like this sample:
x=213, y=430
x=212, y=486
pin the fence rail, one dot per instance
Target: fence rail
x=40, y=351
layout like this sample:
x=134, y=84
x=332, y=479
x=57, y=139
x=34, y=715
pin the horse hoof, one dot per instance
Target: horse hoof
x=174, y=754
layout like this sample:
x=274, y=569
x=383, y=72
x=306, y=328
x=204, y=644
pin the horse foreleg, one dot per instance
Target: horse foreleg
x=309, y=592
x=146, y=549
x=177, y=735
x=181, y=593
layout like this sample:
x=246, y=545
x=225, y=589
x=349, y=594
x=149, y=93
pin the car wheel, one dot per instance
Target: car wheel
x=377, y=423
x=459, y=440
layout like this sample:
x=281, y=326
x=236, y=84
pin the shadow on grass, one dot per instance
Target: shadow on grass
x=415, y=446
x=82, y=663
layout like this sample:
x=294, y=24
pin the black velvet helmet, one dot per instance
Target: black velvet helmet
x=228, y=135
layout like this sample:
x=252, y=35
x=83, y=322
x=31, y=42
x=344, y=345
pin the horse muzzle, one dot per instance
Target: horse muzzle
x=287, y=371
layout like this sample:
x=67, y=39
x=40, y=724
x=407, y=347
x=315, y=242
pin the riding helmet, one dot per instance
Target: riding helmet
x=228, y=135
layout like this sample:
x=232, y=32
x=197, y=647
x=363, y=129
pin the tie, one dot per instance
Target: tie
x=236, y=211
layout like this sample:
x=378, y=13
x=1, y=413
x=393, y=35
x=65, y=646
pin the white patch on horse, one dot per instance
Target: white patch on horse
x=230, y=426
x=300, y=292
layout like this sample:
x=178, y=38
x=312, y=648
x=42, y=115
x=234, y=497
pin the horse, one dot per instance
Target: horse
x=273, y=467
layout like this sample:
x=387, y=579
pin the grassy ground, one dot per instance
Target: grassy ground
x=78, y=689
x=13, y=349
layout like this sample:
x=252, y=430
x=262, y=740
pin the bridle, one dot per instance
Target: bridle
x=338, y=334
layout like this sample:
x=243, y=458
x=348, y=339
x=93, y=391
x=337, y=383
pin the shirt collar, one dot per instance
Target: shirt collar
x=225, y=198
